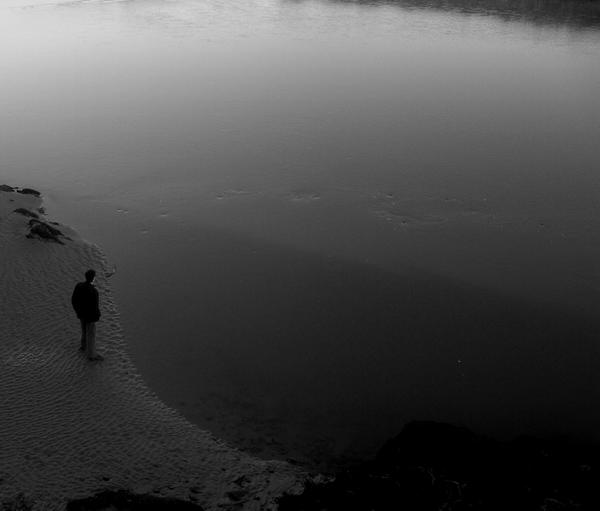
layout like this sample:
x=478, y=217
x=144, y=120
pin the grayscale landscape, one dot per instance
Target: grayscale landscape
x=313, y=223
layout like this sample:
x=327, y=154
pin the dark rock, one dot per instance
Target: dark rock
x=6, y=188
x=123, y=500
x=29, y=191
x=26, y=212
x=431, y=466
x=44, y=231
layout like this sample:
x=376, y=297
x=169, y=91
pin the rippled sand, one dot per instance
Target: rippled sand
x=70, y=428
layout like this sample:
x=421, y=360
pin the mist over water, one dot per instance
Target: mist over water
x=329, y=217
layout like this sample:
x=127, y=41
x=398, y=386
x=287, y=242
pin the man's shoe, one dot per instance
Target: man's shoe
x=96, y=358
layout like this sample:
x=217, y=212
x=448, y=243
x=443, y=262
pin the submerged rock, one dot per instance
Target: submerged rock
x=6, y=188
x=29, y=191
x=431, y=466
x=123, y=500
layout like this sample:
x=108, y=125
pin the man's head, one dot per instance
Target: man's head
x=90, y=275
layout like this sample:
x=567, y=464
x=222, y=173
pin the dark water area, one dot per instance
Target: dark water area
x=329, y=218
x=352, y=351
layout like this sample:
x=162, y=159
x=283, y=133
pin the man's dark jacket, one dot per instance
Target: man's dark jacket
x=85, y=301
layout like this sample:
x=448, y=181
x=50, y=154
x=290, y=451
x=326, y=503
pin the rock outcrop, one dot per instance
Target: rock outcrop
x=38, y=228
x=43, y=230
x=29, y=191
x=24, y=191
x=432, y=466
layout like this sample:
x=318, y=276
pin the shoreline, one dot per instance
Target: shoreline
x=96, y=426
x=523, y=335
x=81, y=435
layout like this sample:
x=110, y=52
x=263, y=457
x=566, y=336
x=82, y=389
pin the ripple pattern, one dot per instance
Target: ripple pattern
x=70, y=428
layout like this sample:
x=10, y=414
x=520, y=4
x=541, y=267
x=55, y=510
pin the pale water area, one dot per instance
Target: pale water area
x=329, y=217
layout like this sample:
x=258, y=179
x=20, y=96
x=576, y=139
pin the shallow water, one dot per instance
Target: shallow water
x=329, y=217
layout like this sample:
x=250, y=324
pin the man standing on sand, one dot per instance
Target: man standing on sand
x=86, y=303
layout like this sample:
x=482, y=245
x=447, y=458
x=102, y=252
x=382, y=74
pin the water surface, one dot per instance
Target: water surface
x=329, y=217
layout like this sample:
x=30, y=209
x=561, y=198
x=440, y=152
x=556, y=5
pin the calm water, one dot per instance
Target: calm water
x=329, y=217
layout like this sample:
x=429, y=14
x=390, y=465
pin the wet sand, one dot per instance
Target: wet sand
x=69, y=427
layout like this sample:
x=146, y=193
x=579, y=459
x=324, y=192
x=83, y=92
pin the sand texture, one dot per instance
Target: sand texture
x=69, y=427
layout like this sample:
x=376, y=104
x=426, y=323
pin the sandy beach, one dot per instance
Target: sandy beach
x=70, y=428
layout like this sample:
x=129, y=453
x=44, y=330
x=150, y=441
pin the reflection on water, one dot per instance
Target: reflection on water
x=571, y=13
x=574, y=14
x=328, y=217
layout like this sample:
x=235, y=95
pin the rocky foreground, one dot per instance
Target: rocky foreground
x=431, y=467
x=428, y=467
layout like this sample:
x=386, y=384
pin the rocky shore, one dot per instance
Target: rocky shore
x=429, y=466
x=434, y=466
